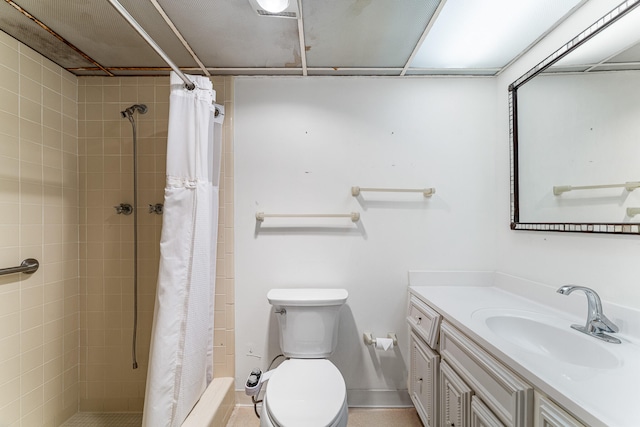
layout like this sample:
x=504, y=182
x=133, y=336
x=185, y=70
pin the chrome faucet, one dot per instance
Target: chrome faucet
x=597, y=323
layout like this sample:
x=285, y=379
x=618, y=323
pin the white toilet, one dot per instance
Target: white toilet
x=306, y=390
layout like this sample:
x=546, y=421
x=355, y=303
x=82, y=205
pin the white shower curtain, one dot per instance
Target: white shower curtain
x=181, y=353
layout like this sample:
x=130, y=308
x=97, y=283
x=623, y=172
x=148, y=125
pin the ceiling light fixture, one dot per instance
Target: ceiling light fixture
x=273, y=6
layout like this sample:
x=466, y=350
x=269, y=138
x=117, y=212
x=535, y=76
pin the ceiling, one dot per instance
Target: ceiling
x=325, y=37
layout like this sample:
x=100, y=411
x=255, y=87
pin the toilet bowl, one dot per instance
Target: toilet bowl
x=305, y=392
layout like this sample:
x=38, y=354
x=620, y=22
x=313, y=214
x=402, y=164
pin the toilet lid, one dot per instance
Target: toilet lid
x=305, y=392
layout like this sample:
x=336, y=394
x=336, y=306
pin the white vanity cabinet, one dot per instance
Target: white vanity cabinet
x=453, y=382
x=509, y=342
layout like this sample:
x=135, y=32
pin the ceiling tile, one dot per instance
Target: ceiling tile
x=97, y=29
x=354, y=72
x=632, y=54
x=452, y=71
x=229, y=33
x=363, y=33
x=28, y=32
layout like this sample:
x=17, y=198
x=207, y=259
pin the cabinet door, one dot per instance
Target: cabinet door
x=423, y=380
x=481, y=415
x=547, y=414
x=455, y=398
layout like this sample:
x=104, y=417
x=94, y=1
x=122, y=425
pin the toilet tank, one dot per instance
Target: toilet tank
x=308, y=320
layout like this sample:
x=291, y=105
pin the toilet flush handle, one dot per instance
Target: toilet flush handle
x=281, y=311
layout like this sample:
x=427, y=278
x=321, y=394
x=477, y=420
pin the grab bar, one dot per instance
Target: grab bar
x=633, y=212
x=28, y=266
x=629, y=186
x=354, y=216
x=426, y=192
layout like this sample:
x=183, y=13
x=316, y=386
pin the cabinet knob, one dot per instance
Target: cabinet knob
x=419, y=320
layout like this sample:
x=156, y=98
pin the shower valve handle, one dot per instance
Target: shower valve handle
x=156, y=209
x=124, y=209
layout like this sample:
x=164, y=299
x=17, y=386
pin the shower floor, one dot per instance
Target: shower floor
x=104, y=419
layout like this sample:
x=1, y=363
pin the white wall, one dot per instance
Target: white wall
x=300, y=144
x=607, y=263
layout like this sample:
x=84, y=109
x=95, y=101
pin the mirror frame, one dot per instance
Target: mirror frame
x=579, y=40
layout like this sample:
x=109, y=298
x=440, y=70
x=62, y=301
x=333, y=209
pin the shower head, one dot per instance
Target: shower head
x=140, y=108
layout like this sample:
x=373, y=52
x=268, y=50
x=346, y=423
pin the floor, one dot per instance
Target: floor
x=243, y=416
x=111, y=419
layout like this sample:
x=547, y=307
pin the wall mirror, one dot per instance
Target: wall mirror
x=575, y=132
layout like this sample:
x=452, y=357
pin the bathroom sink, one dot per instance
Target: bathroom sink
x=549, y=337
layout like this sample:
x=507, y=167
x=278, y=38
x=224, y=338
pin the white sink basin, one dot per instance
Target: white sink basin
x=549, y=337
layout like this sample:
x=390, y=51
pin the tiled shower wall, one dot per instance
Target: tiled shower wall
x=38, y=219
x=107, y=380
x=56, y=196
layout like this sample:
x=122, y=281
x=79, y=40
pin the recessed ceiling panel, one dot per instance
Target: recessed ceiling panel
x=122, y=73
x=364, y=33
x=617, y=67
x=256, y=72
x=622, y=37
x=488, y=33
x=452, y=71
x=97, y=29
x=629, y=55
x=229, y=33
x=354, y=72
x=28, y=32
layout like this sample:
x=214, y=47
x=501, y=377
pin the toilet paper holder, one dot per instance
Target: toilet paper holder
x=370, y=340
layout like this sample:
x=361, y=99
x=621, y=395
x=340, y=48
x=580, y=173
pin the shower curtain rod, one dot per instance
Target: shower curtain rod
x=134, y=24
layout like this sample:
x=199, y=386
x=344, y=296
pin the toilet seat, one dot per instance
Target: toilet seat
x=306, y=392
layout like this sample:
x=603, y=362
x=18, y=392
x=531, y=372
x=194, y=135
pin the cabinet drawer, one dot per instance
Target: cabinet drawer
x=424, y=320
x=549, y=415
x=508, y=397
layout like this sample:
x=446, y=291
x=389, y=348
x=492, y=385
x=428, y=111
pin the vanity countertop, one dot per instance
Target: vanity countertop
x=606, y=395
